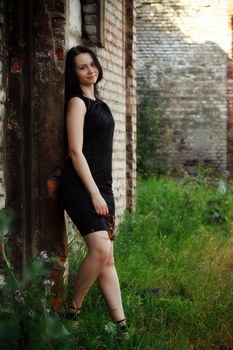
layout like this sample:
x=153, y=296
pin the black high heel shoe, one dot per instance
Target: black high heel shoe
x=122, y=329
x=72, y=313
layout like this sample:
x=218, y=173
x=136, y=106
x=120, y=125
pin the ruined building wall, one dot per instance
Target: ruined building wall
x=182, y=52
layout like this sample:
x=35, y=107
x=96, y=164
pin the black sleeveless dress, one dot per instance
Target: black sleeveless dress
x=98, y=133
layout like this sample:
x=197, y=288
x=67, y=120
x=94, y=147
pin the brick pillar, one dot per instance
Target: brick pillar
x=34, y=132
x=130, y=65
x=230, y=108
x=49, y=41
x=2, y=106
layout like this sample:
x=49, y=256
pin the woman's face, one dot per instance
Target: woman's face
x=86, y=69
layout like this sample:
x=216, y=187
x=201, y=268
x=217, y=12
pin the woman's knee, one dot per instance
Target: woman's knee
x=99, y=244
x=102, y=252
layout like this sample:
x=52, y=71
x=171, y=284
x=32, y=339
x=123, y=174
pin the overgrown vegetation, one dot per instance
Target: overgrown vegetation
x=151, y=137
x=26, y=318
x=147, y=137
x=174, y=259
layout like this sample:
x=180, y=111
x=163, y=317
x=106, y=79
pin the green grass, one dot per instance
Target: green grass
x=174, y=257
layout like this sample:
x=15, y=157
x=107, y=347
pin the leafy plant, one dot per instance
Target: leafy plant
x=26, y=318
x=150, y=132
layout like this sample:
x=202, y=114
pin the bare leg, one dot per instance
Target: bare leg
x=109, y=285
x=99, y=247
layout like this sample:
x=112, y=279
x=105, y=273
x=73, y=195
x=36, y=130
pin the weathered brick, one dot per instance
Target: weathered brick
x=55, y=6
x=59, y=51
x=58, y=22
x=91, y=29
x=90, y=8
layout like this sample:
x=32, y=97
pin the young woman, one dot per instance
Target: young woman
x=86, y=182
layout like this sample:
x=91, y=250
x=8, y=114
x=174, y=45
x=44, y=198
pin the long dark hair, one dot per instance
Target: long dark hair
x=72, y=84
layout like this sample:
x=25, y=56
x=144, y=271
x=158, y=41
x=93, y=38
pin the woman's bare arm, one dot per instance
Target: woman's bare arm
x=74, y=122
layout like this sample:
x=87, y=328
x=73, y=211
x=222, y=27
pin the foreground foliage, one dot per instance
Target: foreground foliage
x=174, y=259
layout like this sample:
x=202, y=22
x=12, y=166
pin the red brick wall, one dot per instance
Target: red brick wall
x=230, y=107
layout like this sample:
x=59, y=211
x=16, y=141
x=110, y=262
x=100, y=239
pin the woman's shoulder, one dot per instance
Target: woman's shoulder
x=73, y=97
